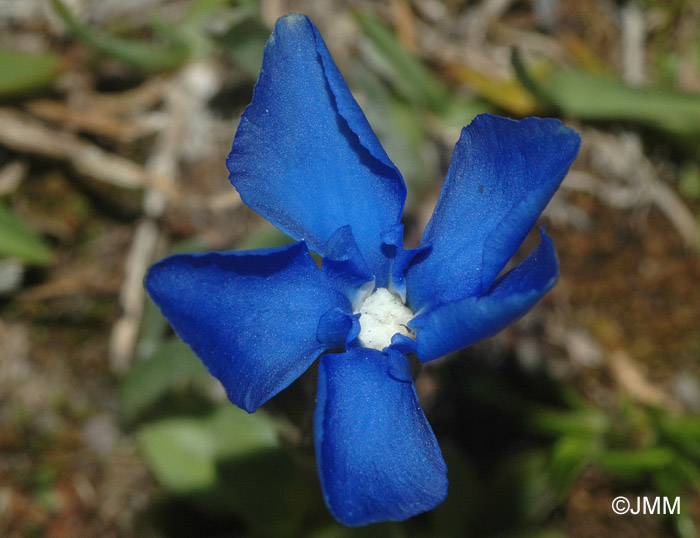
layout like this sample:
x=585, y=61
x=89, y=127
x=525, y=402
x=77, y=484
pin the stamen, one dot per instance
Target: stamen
x=382, y=316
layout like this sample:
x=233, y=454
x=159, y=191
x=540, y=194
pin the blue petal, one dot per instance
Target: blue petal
x=376, y=454
x=304, y=155
x=503, y=173
x=252, y=316
x=459, y=324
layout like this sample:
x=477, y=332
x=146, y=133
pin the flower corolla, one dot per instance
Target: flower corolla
x=306, y=159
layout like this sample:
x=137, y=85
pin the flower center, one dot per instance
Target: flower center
x=382, y=316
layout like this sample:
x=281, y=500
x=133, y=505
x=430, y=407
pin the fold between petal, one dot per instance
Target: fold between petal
x=502, y=175
x=458, y=324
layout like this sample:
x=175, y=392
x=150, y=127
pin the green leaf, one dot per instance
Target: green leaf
x=570, y=456
x=190, y=30
x=521, y=492
x=588, y=423
x=595, y=97
x=200, y=12
x=670, y=485
x=172, y=363
x=689, y=181
x=460, y=111
x=683, y=432
x=183, y=451
x=400, y=127
x=139, y=53
x=21, y=71
x=636, y=463
x=18, y=241
x=406, y=73
x=180, y=453
x=244, y=42
x=683, y=472
x=275, y=491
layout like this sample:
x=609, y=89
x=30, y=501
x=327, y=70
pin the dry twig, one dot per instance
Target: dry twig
x=11, y=175
x=633, y=33
x=21, y=132
x=625, y=178
x=85, y=119
x=632, y=380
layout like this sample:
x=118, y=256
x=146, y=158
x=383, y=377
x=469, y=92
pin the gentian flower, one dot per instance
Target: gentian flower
x=305, y=158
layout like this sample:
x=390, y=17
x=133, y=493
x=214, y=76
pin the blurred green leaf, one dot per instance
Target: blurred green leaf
x=461, y=111
x=594, y=97
x=140, y=53
x=401, y=128
x=670, y=484
x=172, y=363
x=408, y=139
x=21, y=71
x=570, y=456
x=274, y=490
x=199, y=12
x=192, y=28
x=635, y=463
x=244, y=42
x=589, y=422
x=682, y=431
x=406, y=73
x=183, y=451
x=521, y=491
x=18, y=241
x=680, y=474
x=689, y=181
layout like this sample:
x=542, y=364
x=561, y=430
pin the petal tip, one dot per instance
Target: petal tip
x=401, y=473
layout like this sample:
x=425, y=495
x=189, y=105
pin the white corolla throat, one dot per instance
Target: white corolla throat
x=382, y=316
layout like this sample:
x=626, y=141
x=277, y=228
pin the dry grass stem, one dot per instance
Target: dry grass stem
x=23, y=133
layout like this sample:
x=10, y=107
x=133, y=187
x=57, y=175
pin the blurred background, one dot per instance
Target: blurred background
x=115, y=121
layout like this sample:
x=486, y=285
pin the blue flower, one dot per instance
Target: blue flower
x=306, y=159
